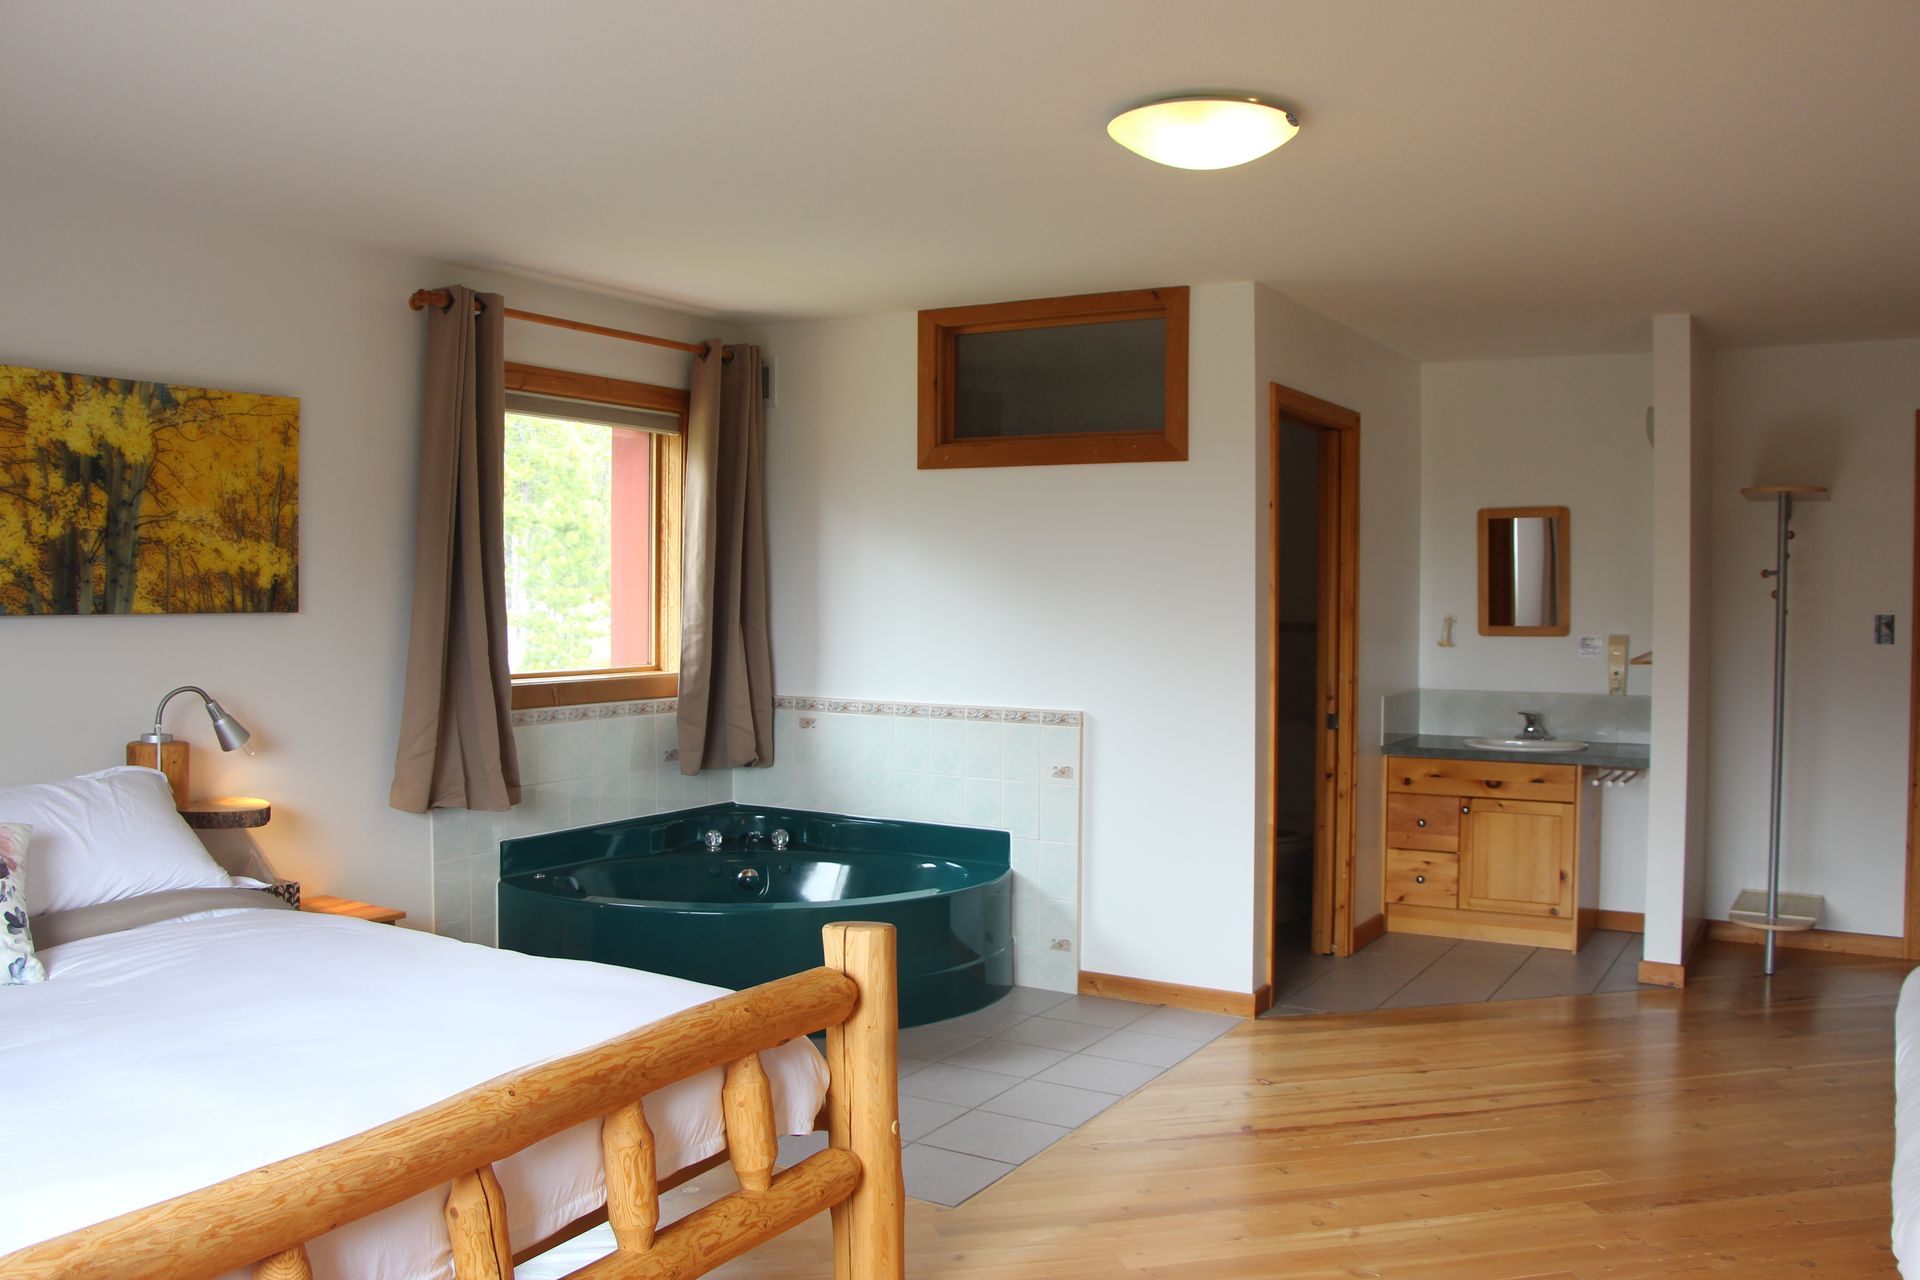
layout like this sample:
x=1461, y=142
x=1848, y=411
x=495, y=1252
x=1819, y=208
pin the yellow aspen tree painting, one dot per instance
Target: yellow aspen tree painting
x=123, y=496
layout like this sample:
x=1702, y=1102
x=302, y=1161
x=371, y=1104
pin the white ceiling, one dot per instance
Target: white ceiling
x=1474, y=177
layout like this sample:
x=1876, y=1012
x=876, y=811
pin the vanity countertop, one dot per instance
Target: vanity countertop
x=1600, y=755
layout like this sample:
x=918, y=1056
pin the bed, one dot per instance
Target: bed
x=226, y=1087
x=1906, y=1127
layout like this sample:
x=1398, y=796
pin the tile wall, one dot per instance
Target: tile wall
x=578, y=765
x=1007, y=769
x=1590, y=717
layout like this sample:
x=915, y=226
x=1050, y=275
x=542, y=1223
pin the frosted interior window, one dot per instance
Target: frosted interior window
x=1063, y=380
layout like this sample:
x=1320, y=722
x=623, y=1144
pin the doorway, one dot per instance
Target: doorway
x=1313, y=526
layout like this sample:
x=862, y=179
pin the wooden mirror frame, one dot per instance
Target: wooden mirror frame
x=1563, y=569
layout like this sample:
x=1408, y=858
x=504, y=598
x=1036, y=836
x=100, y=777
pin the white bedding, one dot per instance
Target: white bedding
x=1906, y=1127
x=172, y=1056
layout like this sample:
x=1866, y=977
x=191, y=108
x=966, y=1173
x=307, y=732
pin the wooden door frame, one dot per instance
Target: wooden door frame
x=1336, y=753
x=1910, y=927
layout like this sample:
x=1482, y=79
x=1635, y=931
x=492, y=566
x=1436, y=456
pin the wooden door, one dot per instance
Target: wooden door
x=1517, y=856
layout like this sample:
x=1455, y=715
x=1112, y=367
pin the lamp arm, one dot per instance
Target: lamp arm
x=161, y=735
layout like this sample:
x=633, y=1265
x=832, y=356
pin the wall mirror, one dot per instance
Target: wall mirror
x=1525, y=571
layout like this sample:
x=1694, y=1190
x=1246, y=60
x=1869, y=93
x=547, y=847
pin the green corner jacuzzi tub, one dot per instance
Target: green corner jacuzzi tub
x=663, y=893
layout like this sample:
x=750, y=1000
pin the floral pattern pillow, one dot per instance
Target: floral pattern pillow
x=18, y=964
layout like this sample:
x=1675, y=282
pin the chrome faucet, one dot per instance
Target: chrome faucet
x=780, y=839
x=1533, y=730
x=713, y=840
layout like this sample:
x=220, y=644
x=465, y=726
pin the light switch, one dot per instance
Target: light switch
x=1883, y=628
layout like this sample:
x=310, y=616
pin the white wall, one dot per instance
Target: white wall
x=1301, y=349
x=1840, y=416
x=1564, y=432
x=1559, y=432
x=1125, y=590
x=1130, y=591
x=1682, y=496
x=100, y=286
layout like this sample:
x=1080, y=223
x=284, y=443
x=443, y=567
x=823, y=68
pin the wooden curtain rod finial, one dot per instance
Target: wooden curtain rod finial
x=423, y=298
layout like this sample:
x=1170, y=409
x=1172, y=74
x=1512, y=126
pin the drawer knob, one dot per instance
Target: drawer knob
x=1419, y=879
x=1420, y=822
x=1493, y=784
x=1465, y=809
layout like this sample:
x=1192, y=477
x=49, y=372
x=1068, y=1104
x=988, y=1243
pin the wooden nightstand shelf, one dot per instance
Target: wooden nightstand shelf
x=326, y=904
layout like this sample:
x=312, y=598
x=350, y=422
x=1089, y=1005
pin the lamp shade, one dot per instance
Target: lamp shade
x=231, y=733
x=1204, y=132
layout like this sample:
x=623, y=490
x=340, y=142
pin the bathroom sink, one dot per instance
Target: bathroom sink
x=1525, y=744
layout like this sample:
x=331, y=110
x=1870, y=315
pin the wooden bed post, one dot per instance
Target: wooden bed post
x=290, y=1264
x=869, y=1229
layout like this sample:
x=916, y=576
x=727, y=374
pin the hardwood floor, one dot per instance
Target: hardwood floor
x=1734, y=1128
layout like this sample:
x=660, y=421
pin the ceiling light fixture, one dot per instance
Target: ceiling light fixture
x=1204, y=131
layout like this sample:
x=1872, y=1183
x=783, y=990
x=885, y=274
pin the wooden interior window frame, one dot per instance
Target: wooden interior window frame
x=1563, y=569
x=940, y=449
x=661, y=679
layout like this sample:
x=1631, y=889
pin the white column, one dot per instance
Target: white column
x=1682, y=544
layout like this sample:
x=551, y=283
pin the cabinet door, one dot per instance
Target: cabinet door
x=1517, y=856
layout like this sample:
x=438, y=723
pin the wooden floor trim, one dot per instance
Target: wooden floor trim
x=1852, y=944
x=1369, y=931
x=1241, y=1004
x=1834, y=940
x=1659, y=973
x=1621, y=921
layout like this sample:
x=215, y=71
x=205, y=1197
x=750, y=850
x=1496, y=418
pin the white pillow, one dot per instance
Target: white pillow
x=105, y=836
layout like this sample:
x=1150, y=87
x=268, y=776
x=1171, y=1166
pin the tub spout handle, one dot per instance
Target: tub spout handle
x=713, y=840
x=780, y=839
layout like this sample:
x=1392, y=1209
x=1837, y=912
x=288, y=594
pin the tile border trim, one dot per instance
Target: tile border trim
x=837, y=706
x=593, y=711
x=928, y=710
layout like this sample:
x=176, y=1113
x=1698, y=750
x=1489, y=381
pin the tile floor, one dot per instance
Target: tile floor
x=983, y=1093
x=1403, y=970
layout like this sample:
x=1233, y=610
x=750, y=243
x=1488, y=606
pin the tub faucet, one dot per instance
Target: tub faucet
x=780, y=839
x=713, y=840
x=1533, y=730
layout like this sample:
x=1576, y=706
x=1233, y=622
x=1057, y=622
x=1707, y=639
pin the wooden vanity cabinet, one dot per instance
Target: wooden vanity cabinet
x=1491, y=850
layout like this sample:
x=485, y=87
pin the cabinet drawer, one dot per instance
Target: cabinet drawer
x=1410, y=775
x=1423, y=879
x=1424, y=822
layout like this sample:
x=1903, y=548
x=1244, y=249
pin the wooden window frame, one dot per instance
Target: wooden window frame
x=939, y=449
x=662, y=678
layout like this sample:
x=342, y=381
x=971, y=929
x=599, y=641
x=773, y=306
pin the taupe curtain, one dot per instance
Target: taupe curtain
x=726, y=661
x=456, y=737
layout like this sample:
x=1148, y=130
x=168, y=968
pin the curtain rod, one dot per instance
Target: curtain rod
x=423, y=298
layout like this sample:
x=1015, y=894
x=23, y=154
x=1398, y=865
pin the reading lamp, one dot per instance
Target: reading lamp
x=159, y=749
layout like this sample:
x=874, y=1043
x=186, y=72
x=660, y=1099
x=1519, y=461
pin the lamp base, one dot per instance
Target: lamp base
x=172, y=761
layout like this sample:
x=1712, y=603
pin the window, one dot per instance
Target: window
x=592, y=518
x=1097, y=378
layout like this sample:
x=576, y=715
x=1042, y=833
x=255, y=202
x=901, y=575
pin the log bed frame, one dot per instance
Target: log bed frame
x=264, y=1218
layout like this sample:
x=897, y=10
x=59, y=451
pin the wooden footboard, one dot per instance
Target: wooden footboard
x=265, y=1217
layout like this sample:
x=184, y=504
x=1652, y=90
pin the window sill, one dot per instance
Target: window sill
x=574, y=691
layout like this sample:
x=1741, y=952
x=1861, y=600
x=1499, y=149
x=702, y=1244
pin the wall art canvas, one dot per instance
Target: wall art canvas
x=124, y=496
